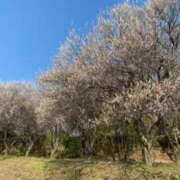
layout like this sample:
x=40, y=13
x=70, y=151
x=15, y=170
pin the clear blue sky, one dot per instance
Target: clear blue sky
x=31, y=32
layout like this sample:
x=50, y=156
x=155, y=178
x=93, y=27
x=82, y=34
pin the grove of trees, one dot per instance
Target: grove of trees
x=112, y=92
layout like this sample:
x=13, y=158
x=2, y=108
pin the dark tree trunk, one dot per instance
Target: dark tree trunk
x=87, y=143
x=112, y=148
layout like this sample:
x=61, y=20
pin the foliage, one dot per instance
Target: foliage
x=72, y=147
x=117, y=89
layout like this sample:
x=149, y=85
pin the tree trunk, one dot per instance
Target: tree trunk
x=54, y=150
x=147, y=157
x=29, y=148
x=174, y=154
x=177, y=155
x=89, y=147
x=6, y=150
x=87, y=142
x=112, y=151
x=146, y=151
x=173, y=151
x=177, y=149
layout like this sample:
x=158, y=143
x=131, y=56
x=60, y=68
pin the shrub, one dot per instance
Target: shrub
x=72, y=147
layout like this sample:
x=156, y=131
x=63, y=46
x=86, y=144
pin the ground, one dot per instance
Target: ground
x=31, y=168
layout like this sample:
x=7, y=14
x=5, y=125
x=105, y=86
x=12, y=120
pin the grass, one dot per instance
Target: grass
x=32, y=168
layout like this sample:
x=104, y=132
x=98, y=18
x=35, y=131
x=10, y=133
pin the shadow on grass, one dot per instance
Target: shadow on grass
x=75, y=168
x=70, y=163
x=131, y=170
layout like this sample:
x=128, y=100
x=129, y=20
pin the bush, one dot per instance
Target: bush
x=72, y=147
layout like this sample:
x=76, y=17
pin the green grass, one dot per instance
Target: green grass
x=32, y=168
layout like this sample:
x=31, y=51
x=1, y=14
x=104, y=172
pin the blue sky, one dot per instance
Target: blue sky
x=31, y=32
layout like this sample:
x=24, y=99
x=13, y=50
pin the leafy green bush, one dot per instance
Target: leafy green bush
x=72, y=147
